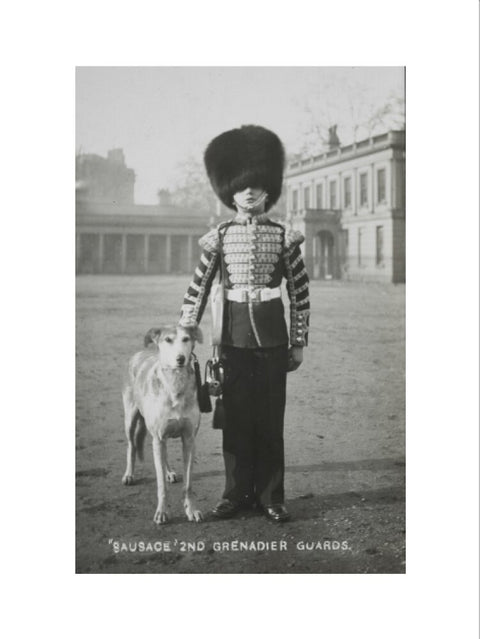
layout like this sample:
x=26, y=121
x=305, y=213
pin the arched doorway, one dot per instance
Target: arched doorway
x=324, y=262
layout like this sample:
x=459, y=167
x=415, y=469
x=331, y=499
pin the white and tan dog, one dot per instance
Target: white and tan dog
x=160, y=395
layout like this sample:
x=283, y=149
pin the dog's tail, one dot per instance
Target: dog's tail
x=137, y=433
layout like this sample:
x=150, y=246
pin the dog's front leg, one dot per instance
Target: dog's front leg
x=192, y=512
x=160, y=459
x=171, y=474
x=131, y=416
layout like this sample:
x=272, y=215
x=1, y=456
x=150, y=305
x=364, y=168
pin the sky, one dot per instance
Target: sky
x=161, y=116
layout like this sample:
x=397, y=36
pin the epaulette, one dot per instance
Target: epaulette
x=209, y=241
x=275, y=223
x=292, y=238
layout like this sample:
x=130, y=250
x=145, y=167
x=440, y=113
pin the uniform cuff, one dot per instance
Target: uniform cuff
x=299, y=328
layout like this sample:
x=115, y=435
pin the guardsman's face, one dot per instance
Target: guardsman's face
x=247, y=198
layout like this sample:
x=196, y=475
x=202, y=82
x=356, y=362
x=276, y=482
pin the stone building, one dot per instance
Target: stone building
x=114, y=235
x=349, y=202
x=106, y=180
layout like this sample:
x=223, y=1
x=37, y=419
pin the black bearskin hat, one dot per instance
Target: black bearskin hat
x=249, y=156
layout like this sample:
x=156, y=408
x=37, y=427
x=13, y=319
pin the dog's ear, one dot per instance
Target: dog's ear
x=152, y=337
x=195, y=333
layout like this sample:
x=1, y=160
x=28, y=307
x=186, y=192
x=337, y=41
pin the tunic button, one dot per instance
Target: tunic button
x=299, y=339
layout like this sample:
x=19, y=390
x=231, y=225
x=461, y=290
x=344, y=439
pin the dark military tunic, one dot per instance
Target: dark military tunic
x=253, y=254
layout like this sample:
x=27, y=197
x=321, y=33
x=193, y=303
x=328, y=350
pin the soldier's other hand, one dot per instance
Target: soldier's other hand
x=295, y=358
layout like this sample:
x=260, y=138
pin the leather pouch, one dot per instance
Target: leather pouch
x=203, y=390
x=204, y=401
x=214, y=376
x=218, y=421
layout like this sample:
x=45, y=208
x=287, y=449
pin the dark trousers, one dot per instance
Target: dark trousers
x=254, y=395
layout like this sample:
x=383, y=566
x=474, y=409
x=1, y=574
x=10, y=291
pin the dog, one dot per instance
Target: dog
x=160, y=395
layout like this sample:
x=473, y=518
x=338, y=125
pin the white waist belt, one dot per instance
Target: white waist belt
x=255, y=295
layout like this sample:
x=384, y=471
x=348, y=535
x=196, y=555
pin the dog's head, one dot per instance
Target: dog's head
x=175, y=343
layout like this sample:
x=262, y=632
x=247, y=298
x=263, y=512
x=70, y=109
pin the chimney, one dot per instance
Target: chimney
x=333, y=140
x=164, y=197
x=116, y=156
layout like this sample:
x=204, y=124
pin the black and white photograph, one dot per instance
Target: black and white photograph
x=240, y=319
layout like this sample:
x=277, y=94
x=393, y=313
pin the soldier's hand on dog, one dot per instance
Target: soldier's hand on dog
x=187, y=322
x=295, y=358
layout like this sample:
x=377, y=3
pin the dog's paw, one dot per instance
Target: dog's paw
x=127, y=480
x=171, y=476
x=161, y=516
x=193, y=514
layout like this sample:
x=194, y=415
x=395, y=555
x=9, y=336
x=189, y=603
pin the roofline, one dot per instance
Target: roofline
x=98, y=208
x=391, y=139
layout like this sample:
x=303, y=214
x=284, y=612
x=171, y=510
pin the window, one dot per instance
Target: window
x=363, y=190
x=156, y=247
x=333, y=194
x=88, y=245
x=319, y=196
x=381, y=185
x=295, y=200
x=178, y=249
x=112, y=247
x=347, y=192
x=306, y=197
x=379, y=245
x=359, y=246
x=134, y=247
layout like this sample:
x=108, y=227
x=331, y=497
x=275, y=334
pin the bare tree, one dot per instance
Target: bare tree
x=353, y=106
x=389, y=115
x=192, y=188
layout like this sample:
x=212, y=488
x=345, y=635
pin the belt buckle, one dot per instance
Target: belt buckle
x=254, y=295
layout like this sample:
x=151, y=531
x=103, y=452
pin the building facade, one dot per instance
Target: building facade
x=349, y=202
x=104, y=180
x=114, y=235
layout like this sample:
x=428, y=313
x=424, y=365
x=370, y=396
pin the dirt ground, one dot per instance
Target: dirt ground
x=344, y=442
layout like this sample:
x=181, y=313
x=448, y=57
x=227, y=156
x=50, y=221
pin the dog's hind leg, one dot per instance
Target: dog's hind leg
x=192, y=512
x=139, y=436
x=160, y=459
x=132, y=416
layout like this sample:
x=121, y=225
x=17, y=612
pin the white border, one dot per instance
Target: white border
x=437, y=41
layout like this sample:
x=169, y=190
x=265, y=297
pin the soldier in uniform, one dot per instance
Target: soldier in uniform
x=253, y=254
